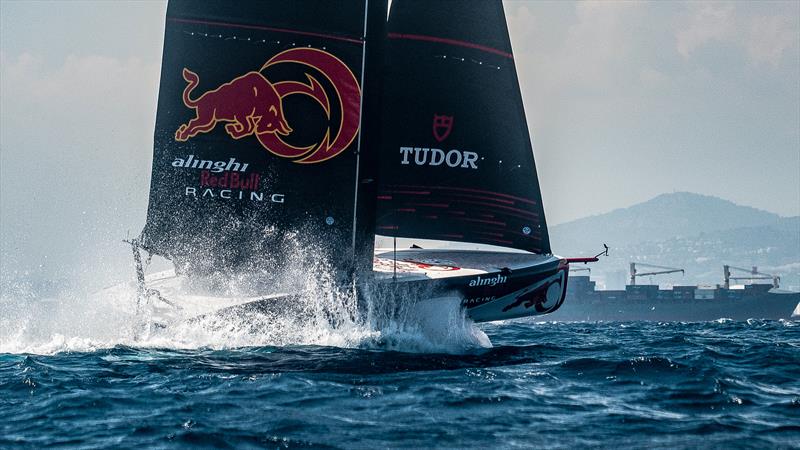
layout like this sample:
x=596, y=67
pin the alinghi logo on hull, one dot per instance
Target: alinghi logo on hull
x=491, y=281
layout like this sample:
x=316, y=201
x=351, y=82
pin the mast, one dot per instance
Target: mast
x=363, y=240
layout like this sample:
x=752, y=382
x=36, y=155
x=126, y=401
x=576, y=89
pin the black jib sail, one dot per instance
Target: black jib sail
x=258, y=131
x=456, y=158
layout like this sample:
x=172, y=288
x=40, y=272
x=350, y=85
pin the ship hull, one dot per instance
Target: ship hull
x=648, y=303
x=777, y=306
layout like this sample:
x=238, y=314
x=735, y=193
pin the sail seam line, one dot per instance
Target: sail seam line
x=440, y=40
x=277, y=30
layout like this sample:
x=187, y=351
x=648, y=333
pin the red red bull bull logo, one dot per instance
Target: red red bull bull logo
x=251, y=105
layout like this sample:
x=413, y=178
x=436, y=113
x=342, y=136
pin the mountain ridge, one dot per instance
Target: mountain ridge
x=695, y=232
x=677, y=214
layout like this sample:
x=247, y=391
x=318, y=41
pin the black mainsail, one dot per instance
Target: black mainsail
x=456, y=159
x=258, y=132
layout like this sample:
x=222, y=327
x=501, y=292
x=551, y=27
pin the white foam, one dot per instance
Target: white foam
x=327, y=317
x=434, y=325
x=323, y=313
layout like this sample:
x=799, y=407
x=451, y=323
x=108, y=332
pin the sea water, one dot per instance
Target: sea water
x=77, y=372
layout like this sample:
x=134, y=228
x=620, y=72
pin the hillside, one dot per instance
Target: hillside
x=694, y=232
x=666, y=216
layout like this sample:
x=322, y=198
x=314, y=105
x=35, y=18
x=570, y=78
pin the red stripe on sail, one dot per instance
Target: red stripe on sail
x=411, y=192
x=480, y=197
x=502, y=241
x=432, y=205
x=525, y=200
x=454, y=236
x=520, y=212
x=489, y=233
x=491, y=222
x=456, y=42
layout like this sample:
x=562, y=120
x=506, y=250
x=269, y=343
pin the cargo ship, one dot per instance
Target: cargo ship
x=680, y=303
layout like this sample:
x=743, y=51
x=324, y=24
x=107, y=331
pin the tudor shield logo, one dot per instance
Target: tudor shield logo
x=428, y=156
x=442, y=126
x=251, y=105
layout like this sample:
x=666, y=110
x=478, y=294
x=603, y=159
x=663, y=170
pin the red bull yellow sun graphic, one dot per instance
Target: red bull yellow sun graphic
x=251, y=105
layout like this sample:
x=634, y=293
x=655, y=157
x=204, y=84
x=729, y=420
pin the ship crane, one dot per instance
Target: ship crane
x=754, y=275
x=665, y=270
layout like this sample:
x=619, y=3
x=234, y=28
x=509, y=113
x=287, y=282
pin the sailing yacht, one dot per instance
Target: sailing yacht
x=305, y=128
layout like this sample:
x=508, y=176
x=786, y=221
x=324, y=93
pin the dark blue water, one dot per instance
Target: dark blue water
x=718, y=384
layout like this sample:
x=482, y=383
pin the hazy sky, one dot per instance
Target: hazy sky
x=624, y=100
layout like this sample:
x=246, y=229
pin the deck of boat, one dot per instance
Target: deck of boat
x=418, y=263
